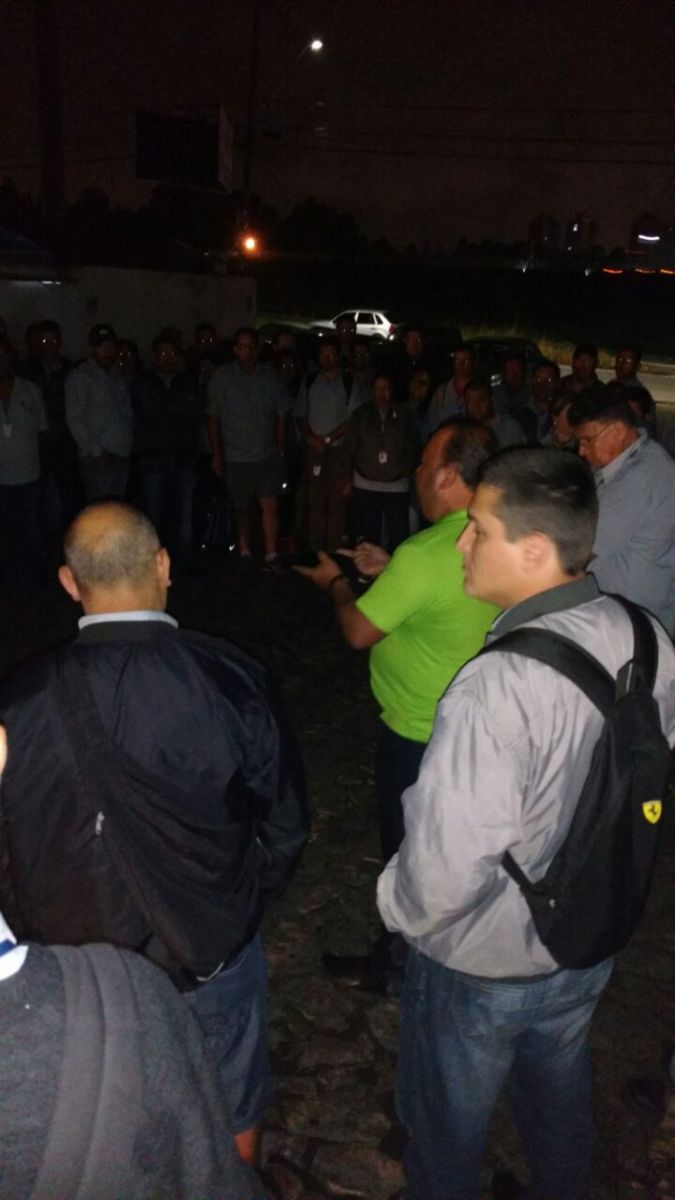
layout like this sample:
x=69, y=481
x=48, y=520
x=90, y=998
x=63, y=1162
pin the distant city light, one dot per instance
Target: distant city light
x=575, y=227
x=250, y=244
x=316, y=45
x=649, y=237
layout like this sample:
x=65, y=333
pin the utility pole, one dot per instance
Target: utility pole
x=251, y=113
x=50, y=112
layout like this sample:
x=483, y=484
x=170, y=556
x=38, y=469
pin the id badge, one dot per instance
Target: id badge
x=7, y=430
x=382, y=457
x=316, y=470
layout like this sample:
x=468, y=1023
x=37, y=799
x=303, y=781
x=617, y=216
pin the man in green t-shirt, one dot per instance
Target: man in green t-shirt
x=420, y=627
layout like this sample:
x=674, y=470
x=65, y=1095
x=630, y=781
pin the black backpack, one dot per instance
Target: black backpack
x=589, y=901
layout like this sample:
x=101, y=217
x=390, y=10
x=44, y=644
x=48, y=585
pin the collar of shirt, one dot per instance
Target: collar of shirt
x=11, y=956
x=606, y=474
x=556, y=599
x=459, y=517
x=140, y=614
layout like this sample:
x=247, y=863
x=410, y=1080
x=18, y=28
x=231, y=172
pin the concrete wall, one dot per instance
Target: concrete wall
x=137, y=303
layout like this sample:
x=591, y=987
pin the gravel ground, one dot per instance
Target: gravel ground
x=332, y=1131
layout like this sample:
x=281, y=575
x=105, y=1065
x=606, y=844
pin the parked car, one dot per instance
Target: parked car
x=491, y=352
x=369, y=323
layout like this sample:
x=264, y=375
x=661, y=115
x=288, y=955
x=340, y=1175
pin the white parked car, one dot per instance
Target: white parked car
x=375, y=325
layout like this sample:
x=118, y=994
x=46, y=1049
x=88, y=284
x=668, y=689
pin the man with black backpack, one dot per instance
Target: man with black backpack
x=325, y=402
x=511, y=903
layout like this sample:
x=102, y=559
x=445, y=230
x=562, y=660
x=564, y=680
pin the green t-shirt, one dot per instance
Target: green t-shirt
x=433, y=628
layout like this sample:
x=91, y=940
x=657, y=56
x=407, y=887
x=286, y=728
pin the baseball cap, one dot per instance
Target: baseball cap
x=101, y=333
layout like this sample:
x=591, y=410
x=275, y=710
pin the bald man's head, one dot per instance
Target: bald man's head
x=113, y=548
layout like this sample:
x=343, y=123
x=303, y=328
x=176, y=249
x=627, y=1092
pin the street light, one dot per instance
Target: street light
x=313, y=47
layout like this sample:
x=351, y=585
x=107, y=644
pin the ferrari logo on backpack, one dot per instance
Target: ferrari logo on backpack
x=652, y=811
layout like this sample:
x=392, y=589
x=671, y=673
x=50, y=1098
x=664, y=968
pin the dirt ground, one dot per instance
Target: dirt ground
x=333, y=1131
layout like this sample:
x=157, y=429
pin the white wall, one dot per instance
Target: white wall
x=137, y=303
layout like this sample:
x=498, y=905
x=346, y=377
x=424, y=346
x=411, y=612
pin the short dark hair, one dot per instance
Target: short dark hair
x=606, y=406
x=163, y=339
x=204, y=325
x=383, y=375
x=515, y=356
x=329, y=340
x=246, y=331
x=477, y=382
x=549, y=363
x=632, y=348
x=48, y=326
x=545, y=490
x=414, y=327
x=585, y=348
x=468, y=446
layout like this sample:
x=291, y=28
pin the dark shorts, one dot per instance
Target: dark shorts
x=232, y=1012
x=262, y=479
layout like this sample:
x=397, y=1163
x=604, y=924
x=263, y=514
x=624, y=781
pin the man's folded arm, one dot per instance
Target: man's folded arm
x=460, y=816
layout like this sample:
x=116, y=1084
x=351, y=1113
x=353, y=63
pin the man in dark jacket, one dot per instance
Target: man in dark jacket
x=168, y=422
x=154, y=797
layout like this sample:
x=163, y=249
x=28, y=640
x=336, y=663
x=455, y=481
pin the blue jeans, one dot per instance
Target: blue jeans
x=232, y=1012
x=168, y=493
x=461, y=1036
x=397, y=764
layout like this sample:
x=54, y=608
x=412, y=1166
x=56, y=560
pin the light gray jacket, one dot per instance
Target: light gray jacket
x=635, y=542
x=509, y=754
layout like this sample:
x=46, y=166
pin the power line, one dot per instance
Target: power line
x=377, y=151
x=497, y=108
x=450, y=135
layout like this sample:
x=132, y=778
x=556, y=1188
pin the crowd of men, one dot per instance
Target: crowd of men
x=295, y=452
x=154, y=798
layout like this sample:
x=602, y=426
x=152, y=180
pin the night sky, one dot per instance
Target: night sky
x=426, y=120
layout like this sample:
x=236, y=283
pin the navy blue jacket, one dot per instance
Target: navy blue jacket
x=182, y=810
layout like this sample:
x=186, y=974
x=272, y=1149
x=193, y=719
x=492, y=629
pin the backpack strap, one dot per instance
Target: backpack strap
x=564, y=656
x=582, y=669
x=98, y=1106
x=640, y=671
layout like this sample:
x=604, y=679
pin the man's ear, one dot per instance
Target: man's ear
x=163, y=567
x=448, y=476
x=537, y=550
x=67, y=581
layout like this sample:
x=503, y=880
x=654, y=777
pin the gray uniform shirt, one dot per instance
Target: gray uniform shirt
x=247, y=406
x=325, y=403
x=509, y=755
x=635, y=541
x=98, y=410
x=20, y=423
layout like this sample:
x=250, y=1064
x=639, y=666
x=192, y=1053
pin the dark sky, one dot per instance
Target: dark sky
x=425, y=119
